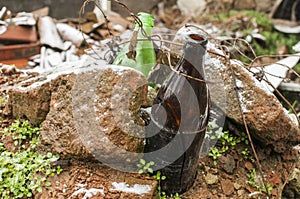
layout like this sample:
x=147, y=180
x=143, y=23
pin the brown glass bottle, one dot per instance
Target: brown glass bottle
x=179, y=118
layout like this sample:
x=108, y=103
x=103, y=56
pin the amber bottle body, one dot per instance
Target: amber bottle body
x=179, y=118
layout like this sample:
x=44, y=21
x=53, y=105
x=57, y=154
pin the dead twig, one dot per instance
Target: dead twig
x=286, y=180
x=246, y=125
x=284, y=99
x=98, y=5
x=152, y=39
x=81, y=12
x=135, y=17
x=183, y=74
x=248, y=45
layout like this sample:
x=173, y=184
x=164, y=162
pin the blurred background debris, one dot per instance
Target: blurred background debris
x=37, y=38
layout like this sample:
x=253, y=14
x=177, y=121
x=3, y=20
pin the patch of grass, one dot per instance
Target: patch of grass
x=274, y=40
x=24, y=171
x=227, y=141
x=22, y=132
x=297, y=68
x=259, y=22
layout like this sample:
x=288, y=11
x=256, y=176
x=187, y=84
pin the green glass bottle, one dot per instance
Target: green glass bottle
x=145, y=57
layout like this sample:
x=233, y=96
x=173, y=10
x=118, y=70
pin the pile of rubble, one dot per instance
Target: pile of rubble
x=35, y=39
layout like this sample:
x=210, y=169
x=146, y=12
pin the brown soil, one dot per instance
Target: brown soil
x=227, y=179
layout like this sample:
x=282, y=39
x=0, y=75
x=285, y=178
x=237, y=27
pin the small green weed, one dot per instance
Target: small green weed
x=253, y=182
x=228, y=141
x=293, y=106
x=21, y=132
x=252, y=178
x=247, y=155
x=24, y=171
x=145, y=167
x=215, y=154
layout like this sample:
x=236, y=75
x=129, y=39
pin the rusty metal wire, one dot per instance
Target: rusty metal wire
x=234, y=43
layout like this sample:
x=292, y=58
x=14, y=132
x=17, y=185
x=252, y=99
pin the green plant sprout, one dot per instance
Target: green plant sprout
x=215, y=154
x=145, y=167
x=227, y=140
x=214, y=131
x=247, y=155
x=252, y=177
x=24, y=171
x=253, y=183
x=21, y=131
x=293, y=106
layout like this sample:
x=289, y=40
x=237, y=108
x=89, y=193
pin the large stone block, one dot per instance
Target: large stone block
x=88, y=111
x=268, y=121
x=237, y=92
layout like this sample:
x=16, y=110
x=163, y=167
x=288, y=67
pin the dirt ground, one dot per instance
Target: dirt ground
x=230, y=177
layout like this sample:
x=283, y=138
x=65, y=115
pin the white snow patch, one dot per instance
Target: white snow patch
x=88, y=193
x=241, y=93
x=105, y=139
x=75, y=67
x=213, y=63
x=236, y=62
x=262, y=85
x=213, y=47
x=120, y=69
x=136, y=189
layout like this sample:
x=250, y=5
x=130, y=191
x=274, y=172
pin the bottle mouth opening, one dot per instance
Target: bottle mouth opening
x=195, y=39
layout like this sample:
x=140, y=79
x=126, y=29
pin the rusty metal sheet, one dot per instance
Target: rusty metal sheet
x=19, y=51
x=19, y=34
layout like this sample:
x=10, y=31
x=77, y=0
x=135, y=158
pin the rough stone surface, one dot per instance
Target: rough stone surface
x=292, y=189
x=96, y=112
x=32, y=104
x=91, y=111
x=211, y=179
x=18, y=98
x=242, y=94
x=245, y=5
x=227, y=187
x=268, y=121
x=228, y=163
